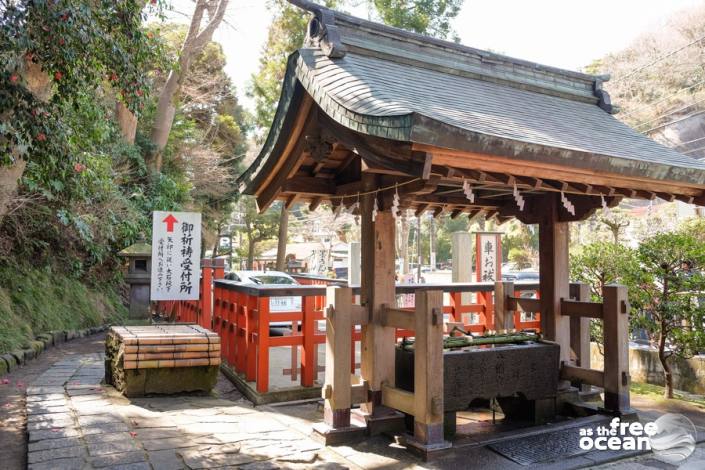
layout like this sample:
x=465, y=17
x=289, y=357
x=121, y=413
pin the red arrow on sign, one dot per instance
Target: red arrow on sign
x=170, y=220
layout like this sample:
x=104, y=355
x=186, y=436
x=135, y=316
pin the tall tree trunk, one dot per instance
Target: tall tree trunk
x=663, y=359
x=127, y=122
x=283, y=235
x=196, y=40
x=38, y=83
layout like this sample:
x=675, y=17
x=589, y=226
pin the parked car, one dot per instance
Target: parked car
x=276, y=304
x=518, y=276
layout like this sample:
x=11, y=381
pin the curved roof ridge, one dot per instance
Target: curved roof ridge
x=336, y=33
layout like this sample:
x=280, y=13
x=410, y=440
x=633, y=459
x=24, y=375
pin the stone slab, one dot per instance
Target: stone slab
x=50, y=444
x=114, y=460
x=58, y=464
x=52, y=454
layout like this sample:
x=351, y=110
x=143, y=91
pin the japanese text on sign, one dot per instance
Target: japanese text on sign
x=489, y=262
x=176, y=248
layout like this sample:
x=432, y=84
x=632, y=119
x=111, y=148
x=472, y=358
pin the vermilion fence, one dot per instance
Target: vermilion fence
x=242, y=317
x=195, y=311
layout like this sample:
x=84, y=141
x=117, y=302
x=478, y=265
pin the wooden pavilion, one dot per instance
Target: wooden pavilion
x=368, y=112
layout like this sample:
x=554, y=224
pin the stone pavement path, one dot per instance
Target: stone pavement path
x=75, y=423
x=13, y=445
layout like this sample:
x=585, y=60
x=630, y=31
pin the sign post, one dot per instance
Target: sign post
x=488, y=268
x=176, y=252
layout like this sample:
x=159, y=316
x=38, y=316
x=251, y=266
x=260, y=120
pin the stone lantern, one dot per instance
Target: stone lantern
x=139, y=256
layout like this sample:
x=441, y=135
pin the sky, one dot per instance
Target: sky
x=562, y=33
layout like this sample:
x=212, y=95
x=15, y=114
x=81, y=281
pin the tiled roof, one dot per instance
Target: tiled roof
x=385, y=82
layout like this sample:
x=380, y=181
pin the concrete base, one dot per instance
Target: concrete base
x=276, y=396
x=427, y=451
x=165, y=381
x=329, y=436
x=629, y=414
x=385, y=421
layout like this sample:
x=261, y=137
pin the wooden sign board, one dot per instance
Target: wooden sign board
x=176, y=254
x=488, y=256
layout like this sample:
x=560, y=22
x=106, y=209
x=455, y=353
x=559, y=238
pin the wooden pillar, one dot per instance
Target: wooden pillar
x=206, y=317
x=503, y=317
x=309, y=367
x=337, y=388
x=616, y=339
x=262, y=344
x=580, y=327
x=553, y=267
x=377, y=289
x=428, y=368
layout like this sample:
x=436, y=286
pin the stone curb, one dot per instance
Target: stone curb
x=43, y=341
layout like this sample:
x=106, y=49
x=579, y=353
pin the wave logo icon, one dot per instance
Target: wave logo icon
x=674, y=439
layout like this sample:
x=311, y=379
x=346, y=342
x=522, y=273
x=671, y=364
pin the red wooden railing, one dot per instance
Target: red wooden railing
x=241, y=316
x=195, y=311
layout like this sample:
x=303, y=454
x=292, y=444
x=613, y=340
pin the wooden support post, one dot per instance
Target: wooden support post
x=428, y=368
x=206, y=317
x=308, y=357
x=503, y=315
x=580, y=327
x=616, y=338
x=263, y=345
x=377, y=289
x=553, y=266
x=337, y=388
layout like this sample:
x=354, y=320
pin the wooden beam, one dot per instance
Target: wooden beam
x=583, y=375
x=575, y=308
x=428, y=162
x=475, y=214
x=290, y=201
x=379, y=153
x=315, y=202
x=666, y=197
x=397, y=318
x=359, y=315
x=686, y=199
x=524, y=303
x=309, y=185
x=486, y=162
x=398, y=399
x=298, y=127
x=420, y=209
x=291, y=157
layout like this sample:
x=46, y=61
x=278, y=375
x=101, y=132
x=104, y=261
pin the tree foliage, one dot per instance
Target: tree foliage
x=78, y=46
x=673, y=296
x=430, y=17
